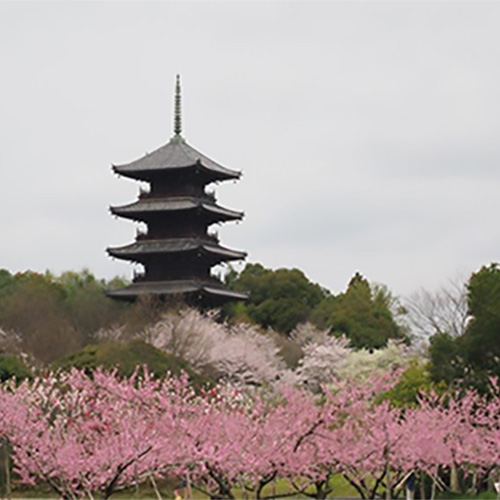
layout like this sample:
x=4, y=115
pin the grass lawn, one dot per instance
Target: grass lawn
x=341, y=489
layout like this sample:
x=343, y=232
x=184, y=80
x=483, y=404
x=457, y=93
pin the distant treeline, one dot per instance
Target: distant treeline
x=49, y=316
x=54, y=315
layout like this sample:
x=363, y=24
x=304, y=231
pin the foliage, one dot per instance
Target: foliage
x=12, y=367
x=285, y=298
x=86, y=303
x=33, y=307
x=54, y=315
x=279, y=299
x=289, y=351
x=445, y=364
x=126, y=358
x=6, y=279
x=471, y=359
x=480, y=345
x=361, y=313
x=414, y=381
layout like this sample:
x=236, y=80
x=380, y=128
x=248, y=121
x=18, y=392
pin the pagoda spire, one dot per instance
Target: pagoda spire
x=177, y=112
x=178, y=250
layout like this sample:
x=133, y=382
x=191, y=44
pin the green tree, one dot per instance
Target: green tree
x=480, y=345
x=6, y=279
x=12, y=366
x=87, y=305
x=470, y=359
x=126, y=357
x=55, y=315
x=279, y=299
x=414, y=380
x=32, y=305
x=445, y=363
x=362, y=313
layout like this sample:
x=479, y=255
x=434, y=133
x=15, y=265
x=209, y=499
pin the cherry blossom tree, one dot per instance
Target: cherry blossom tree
x=95, y=435
x=240, y=353
x=329, y=359
x=83, y=435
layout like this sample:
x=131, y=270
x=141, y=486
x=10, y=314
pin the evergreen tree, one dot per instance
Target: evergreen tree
x=362, y=313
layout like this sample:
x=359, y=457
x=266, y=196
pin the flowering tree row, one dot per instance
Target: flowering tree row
x=244, y=353
x=94, y=435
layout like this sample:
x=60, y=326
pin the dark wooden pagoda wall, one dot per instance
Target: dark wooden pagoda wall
x=164, y=268
x=176, y=227
x=185, y=224
x=176, y=185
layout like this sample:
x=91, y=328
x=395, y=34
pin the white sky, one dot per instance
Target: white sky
x=367, y=131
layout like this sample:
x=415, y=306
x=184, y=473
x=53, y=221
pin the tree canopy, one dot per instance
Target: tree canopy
x=362, y=313
x=472, y=358
x=284, y=298
x=12, y=366
x=55, y=315
x=279, y=299
x=125, y=357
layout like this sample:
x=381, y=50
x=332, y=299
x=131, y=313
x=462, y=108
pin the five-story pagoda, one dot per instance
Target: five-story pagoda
x=177, y=251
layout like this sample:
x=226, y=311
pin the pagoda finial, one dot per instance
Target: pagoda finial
x=177, y=113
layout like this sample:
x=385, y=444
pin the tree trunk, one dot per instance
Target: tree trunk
x=475, y=483
x=188, y=486
x=321, y=493
x=388, y=490
x=5, y=448
x=454, y=485
x=155, y=487
x=433, y=490
x=422, y=485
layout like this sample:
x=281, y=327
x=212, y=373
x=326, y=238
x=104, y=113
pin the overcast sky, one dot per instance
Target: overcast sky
x=367, y=132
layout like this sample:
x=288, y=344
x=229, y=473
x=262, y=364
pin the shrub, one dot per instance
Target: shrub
x=11, y=366
x=126, y=357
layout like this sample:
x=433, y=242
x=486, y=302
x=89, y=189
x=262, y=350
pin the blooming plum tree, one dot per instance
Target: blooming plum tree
x=95, y=435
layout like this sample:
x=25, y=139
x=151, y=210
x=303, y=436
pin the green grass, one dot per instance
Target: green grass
x=485, y=495
x=341, y=489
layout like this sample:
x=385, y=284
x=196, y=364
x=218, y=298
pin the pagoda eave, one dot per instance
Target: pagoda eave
x=144, y=208
x=206, y=291
x=176, y=155
x=199, y=248
x=198, y=169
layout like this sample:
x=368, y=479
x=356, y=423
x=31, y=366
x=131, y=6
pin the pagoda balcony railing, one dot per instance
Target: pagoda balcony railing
x=210, y=196
x=215, y=279
x=213, y=236
x=138, y=276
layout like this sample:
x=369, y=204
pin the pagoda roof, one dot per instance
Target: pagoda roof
x=177, y=154
x=173, y=205
x=174, y=245
x=206, y=288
